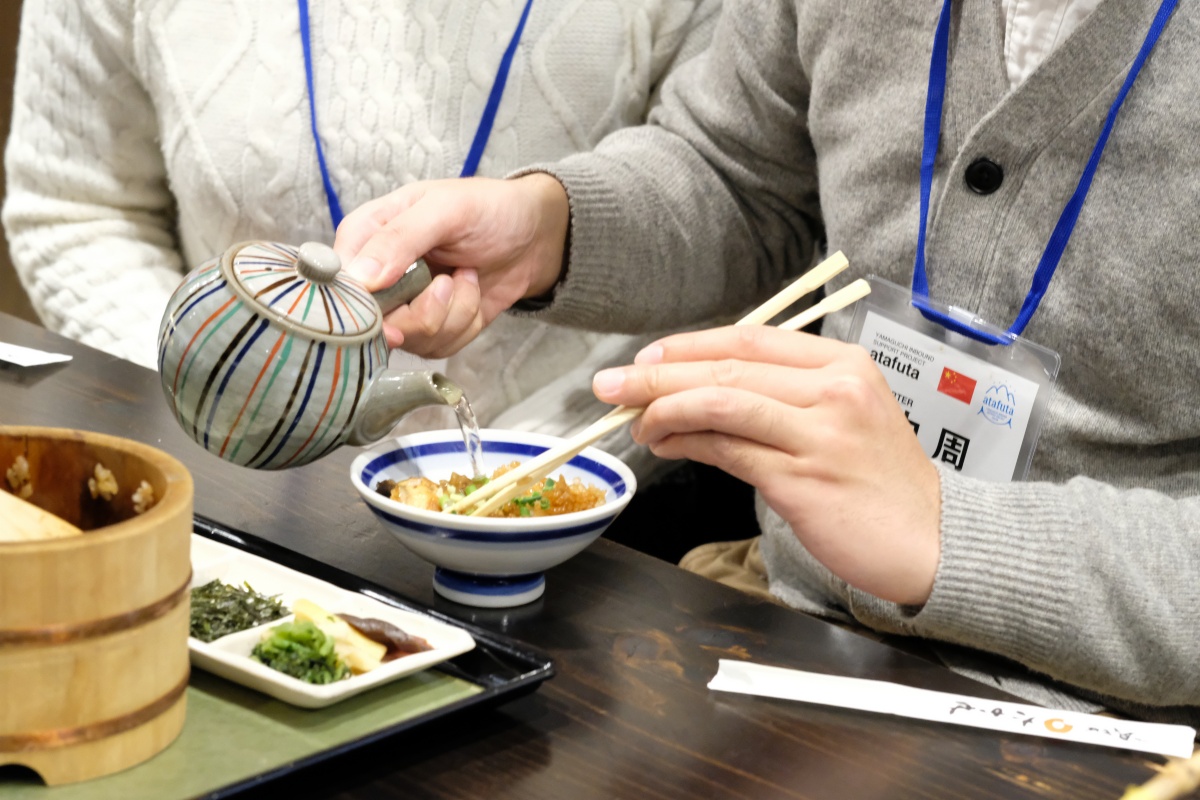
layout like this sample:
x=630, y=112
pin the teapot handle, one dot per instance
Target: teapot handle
x=411, y=283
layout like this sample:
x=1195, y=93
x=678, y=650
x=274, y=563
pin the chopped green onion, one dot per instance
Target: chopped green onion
x=545, y=503
x=525, y=511
x=524, y=501
x=302, y=650
x=549, y=484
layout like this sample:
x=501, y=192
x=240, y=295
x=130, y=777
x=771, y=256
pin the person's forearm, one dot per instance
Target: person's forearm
x=680, y=221
x=555, y=224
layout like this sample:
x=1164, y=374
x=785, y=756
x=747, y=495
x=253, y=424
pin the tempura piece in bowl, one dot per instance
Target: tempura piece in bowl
x=417, y=492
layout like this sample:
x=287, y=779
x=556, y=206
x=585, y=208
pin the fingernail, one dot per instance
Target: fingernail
x=608, y=382
x=393, y=335
x=443, y=290
x=650, y=354
x=365, y=269
x=471, y=276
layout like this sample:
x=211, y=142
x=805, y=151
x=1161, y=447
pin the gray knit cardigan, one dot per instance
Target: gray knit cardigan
x=800, y=132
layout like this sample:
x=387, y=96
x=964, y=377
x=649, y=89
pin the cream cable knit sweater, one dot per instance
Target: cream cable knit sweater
x=149, y=135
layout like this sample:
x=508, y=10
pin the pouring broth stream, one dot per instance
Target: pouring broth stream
x=472, y=439
x=547, y=497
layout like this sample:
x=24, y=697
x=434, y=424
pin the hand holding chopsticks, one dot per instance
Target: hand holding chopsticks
x=519, y=480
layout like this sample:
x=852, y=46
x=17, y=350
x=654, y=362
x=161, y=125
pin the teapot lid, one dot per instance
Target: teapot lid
x=303, y=287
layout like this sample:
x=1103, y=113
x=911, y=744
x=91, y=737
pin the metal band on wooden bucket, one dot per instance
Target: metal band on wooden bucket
x=64, y=737
x=60, y=634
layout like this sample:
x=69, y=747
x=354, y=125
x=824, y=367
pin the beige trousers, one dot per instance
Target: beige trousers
x=737, y=564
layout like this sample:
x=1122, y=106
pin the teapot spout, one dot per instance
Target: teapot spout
x=393, y=395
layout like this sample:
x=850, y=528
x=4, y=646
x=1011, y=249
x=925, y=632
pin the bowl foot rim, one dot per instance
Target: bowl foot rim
x=488, y=591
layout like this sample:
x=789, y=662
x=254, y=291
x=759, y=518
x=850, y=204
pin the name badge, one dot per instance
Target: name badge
x=975, y=407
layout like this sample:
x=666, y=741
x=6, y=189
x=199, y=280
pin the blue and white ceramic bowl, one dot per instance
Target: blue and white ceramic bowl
x=483, y=561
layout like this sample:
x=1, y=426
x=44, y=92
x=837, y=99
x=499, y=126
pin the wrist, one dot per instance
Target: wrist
x=551, y=246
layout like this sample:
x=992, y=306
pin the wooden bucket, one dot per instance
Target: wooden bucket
x=93, y=628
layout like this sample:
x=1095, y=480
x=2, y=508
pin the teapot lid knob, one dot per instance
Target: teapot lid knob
x=318, y=262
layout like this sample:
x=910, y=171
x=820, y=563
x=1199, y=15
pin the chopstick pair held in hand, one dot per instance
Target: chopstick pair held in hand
x=520, y=479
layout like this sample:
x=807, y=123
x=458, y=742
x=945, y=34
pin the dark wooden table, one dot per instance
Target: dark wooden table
x=635, y=641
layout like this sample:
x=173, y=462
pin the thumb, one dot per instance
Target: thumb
x=357, y=228
x=394, y=245
x=360, y=224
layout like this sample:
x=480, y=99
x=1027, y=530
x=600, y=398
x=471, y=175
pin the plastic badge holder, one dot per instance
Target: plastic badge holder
x=931, y=368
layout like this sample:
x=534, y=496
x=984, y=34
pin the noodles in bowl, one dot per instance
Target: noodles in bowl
x=548, y=497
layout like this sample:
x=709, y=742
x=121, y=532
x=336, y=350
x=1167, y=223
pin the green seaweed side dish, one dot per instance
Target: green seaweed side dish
x=302, y=650
x=219, y=609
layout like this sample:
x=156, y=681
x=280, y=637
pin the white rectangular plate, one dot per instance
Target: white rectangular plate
x=229, y=656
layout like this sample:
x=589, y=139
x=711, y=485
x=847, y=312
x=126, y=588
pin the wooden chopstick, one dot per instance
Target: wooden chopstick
x=1178, y=779
x=551, y=459
x=495, y=494
x=843, y=297
x=807, y=283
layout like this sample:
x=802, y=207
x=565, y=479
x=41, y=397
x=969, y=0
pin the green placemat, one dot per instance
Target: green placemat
x=233, y=733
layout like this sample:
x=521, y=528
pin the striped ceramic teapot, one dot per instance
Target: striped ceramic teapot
x=271, y=356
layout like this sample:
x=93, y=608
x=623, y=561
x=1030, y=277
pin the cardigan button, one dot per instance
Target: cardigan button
x=984, y=176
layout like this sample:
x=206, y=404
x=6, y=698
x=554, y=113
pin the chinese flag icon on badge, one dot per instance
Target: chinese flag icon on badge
x=956, y=385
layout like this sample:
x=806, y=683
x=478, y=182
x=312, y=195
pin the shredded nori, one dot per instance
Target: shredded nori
x=219, y=609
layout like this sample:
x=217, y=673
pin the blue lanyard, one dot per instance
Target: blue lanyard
x=1070, y=213
x=478, y=144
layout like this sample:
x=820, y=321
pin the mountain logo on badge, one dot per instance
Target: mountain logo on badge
x=956, y=385
x=999, y=405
